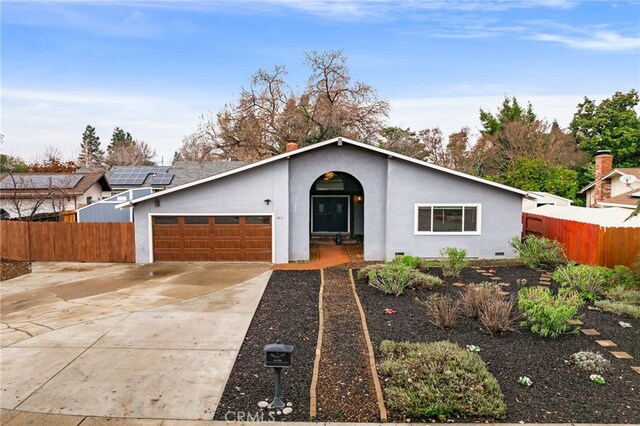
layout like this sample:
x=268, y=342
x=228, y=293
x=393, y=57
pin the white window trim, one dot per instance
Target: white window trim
x=479, y=218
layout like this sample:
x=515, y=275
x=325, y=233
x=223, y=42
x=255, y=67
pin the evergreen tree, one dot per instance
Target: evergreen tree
x=120, y=138
x=90, y=153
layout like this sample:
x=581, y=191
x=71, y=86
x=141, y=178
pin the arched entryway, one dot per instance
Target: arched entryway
x=336, y=201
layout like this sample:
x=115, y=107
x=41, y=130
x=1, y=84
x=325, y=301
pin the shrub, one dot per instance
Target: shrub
x=358, y=238
x=476, y=295
x=411, y=261
x=453, y=261
x=537, y=251
x=495, y=315
x=546, y=314
x=590, y=281
x=395, y=277
x=439, y=380
x=442, y=311
x=624, y=276
x=621, y=301
x=420, y=280
x=591, y=362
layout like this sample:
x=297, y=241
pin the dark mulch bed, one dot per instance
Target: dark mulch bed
x=287, y=312
x=13, y=268
x=560, y=393
x=345, y=387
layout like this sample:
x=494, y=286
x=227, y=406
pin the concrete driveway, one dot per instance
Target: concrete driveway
x=143, y=341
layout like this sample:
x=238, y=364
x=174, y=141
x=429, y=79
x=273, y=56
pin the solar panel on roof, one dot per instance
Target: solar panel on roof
x=162, y=179
x=40, y=181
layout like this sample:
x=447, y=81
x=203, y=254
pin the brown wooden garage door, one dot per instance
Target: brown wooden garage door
x=212, y=238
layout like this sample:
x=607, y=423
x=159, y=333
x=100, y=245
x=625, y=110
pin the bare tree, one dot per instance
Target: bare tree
x=269, y=113
x=29, y=197
x=137, y=153
x=335, y=106
x=196, y=147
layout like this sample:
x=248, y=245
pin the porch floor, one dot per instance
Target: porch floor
x=330, y=255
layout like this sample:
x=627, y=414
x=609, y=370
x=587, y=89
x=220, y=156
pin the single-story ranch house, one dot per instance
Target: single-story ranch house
x=269, y=210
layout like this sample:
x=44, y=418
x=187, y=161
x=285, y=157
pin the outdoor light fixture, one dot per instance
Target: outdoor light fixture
x=267, y=201
x=358, y=198
x=278, y=356
x=157, y=202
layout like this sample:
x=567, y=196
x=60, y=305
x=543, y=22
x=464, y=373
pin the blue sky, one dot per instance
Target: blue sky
x=154, y=67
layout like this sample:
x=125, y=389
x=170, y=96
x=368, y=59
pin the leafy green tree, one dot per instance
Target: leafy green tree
x=508, y=112
x=90, y=153
x=12, y=164
x=530, y=174
x=120, y=138
x=612, y=124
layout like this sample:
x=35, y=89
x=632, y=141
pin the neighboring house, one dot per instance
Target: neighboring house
x=123, y=178
x=539, y=198
x=269, y=210
x=612, y=187
x=29, y=194
x=105, y=210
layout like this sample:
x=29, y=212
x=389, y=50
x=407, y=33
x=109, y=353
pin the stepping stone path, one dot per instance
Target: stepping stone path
x=604, y=343
x=621, y=355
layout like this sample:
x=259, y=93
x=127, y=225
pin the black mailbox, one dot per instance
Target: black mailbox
x=278, y=355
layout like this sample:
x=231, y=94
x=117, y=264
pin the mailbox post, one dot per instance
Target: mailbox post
x=278, y=356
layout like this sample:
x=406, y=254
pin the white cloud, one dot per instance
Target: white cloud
x=33, y=119
x=598, y=40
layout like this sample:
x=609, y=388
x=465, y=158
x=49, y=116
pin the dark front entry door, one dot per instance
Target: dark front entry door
x=330, y=214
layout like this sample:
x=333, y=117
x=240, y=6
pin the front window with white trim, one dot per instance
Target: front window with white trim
x=447, y=219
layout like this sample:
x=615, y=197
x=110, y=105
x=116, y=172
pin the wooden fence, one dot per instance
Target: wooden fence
x=67, y=242
x=585, y=242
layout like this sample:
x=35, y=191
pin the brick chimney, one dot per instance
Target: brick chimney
x=291, y=145
x=602, y=188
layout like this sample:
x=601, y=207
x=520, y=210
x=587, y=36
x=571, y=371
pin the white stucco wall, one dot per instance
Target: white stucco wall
x=237, y=194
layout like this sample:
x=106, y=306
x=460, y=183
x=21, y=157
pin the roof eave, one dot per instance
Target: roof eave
x=316, y=146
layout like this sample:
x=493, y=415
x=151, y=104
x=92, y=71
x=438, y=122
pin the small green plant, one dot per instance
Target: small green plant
x=358, y=238
x=442, y=311
x=590, y=281
x=411, y=261
x=395, y=277
x=524, y=381
x=622, y=301
x=597, y=379
x=546, y=314
x=591, y=362
x=438, y=380
x=536, y=252
x=521, y=282
x=473, y=348
x=453, y=261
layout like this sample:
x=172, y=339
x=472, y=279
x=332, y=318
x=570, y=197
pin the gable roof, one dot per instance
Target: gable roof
x=339, y=141
x=190, y=171
x=621, y=171
x=25, y=185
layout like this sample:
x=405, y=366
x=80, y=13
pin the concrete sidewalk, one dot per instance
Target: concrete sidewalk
x=169, y=361
x=17, y=418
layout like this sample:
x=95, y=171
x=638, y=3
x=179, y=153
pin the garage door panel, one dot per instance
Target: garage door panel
x=215, y=238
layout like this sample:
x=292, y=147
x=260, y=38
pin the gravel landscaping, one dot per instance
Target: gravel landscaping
x=560, y=392
x=13, y=268
x=287, y=312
